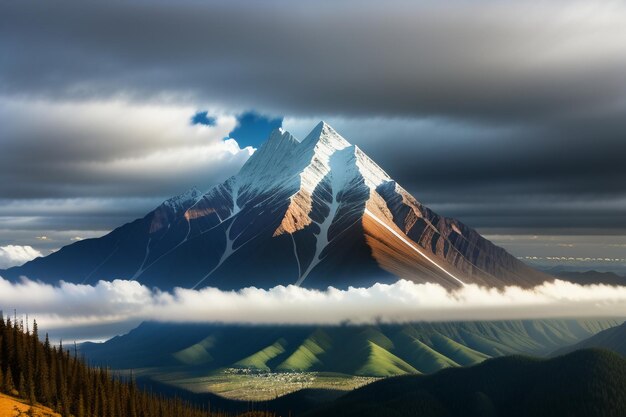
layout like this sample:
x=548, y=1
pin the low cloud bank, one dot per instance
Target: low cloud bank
x=13, y=255
x=120, y=301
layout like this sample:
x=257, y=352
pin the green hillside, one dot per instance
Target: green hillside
x=381, y=362
x=196, y=354
x=421, y=356
x=175, y=352
x=259, y=360
x=308, y=355
x=455, y=351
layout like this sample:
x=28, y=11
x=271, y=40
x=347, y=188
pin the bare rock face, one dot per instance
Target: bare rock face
x=314, y=213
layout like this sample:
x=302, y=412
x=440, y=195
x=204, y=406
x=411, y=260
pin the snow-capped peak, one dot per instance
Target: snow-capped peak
x=324, y=134
x=271, y=158
x=284, y=161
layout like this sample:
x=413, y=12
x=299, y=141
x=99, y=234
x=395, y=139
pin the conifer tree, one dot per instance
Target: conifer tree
x=53, y=377
x=22, y=385
x=8, y=384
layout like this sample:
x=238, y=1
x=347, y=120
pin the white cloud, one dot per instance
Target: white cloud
x=13, y=255
x=112, y=147
x=122, y=301
x=96, y=164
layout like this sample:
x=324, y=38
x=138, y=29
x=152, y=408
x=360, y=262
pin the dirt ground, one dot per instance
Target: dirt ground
x=9, y=404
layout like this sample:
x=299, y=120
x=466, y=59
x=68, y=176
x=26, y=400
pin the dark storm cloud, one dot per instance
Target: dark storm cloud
x=107, y=149
x=486, y=59
x=523, y=177
x=504, y=114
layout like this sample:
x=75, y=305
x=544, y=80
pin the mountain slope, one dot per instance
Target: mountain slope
x=126, y=252
x=12, y=406
x=369, y=350
x=613, y=339
x=306, y=357
x=585, y=383
x=314, y=213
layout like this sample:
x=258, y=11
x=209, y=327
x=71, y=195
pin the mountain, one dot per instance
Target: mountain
x=184, y=350
x=314, y=213
x=586, y=383
x=592, y=277
x=613, y=338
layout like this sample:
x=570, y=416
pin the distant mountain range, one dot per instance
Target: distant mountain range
x=592, y=277
x=184, y=350
x=314, y=213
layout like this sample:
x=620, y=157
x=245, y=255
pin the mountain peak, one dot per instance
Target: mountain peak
x=271, y=155
x=277, y=139
x=318, y=212
x=279, y=134
x=324, y=133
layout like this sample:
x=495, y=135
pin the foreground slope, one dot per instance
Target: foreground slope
x=13, y=406
x=586, y=383
x=314, y=213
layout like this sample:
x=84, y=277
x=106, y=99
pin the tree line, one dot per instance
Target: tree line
x=41, y=373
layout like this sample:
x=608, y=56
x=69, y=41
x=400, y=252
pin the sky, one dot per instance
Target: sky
x=510, y=116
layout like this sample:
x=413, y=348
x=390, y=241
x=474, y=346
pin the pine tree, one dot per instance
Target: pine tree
x=22, y=385
x=8, y=385
x=80, y=408
x=31, y=394
x=54, y=377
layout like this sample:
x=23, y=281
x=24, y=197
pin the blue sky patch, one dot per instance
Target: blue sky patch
x=203, y=118
x=254, y=128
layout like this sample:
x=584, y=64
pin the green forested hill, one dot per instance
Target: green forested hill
x=587, y=383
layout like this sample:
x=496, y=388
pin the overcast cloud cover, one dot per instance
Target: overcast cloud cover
x=508, y=115
x=112, y=307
